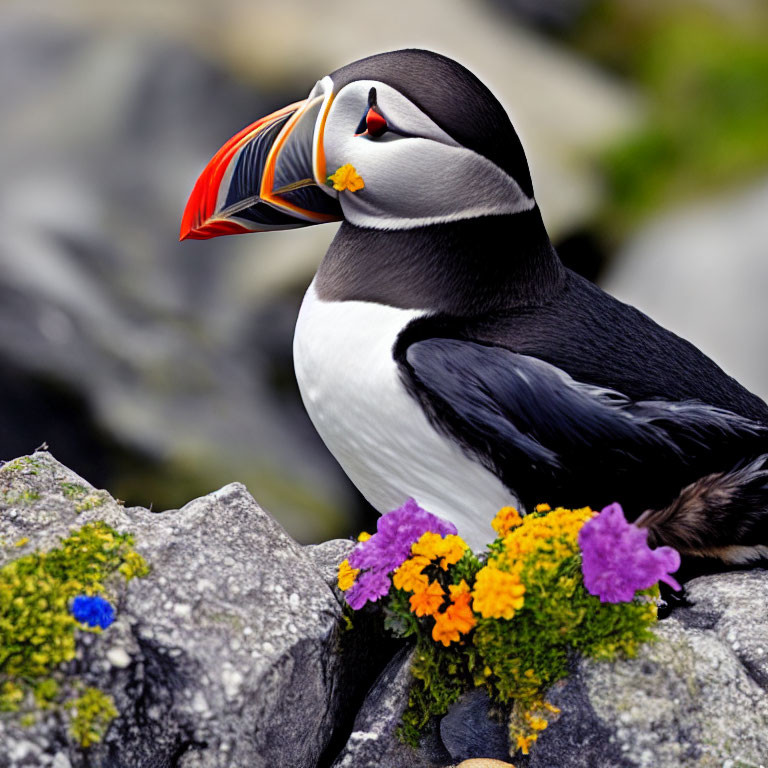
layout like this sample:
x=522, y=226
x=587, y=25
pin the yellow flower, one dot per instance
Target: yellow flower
x=543, y=508
x=347, y=575
x=543, y=541
x=498, y=594
x=537, y=723
x=462, y=588
x=364, y=536
x=524, y=742
x=448, y=549
x=409, y=575
x=427, y=602
x=506, y=519
x=347, y=177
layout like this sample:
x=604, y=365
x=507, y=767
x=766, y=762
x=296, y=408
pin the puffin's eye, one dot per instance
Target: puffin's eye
x=373, y=124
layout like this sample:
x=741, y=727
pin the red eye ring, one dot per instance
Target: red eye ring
x=375, y=123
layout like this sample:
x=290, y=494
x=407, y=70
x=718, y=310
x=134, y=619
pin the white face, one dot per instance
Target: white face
x=414, y=173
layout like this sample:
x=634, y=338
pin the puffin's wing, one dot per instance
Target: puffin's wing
x=552, y=438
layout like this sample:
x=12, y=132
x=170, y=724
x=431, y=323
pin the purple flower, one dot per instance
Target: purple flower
x=369, y=587
x=388, y=548
x=93, y=610
x=616, y=558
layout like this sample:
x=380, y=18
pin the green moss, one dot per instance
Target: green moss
x=440, y=676
x=73, y=490
x=11, y=696
x=91, y=501
x=37, y=630
x=12, y=499
x=24, y=463
x=85, y=499
x=93, y=712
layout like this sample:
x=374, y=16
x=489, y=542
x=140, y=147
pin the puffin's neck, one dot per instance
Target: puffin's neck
x=463, y=268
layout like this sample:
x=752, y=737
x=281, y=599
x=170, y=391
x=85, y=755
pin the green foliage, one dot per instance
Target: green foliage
x=440, y=676
x=37, y=630
x=704, y=73
x=398, y=618
x=85, y=499
x=94, y=711
x=533, y=650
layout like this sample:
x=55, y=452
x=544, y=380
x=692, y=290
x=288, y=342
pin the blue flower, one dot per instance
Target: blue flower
x=93, y=610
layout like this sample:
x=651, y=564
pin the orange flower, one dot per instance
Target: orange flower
x=506, y=519
x=457, y=619
x=427, y=602
x=409, y=575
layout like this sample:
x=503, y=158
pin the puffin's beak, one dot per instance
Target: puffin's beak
x=269, y=176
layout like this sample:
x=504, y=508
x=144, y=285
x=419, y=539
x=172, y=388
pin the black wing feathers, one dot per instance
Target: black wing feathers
x=551, y=438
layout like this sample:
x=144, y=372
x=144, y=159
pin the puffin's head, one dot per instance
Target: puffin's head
x=394, y=141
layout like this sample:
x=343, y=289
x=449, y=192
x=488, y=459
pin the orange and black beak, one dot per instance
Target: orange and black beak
x=269, y=176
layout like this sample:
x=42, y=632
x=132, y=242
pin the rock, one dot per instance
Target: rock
x=373, y=742
x=697, y=697
x=220, y=657
x=469, y=730
x=464, y=732
x=233, y=652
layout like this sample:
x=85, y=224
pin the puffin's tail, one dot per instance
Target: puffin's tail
x=723, y=516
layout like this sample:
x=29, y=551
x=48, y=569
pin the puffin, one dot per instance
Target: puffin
x=444, y=352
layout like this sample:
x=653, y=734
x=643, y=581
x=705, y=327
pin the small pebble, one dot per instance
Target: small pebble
x=118, y=657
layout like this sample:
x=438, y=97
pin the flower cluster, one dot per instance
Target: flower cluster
x=553, y=583
x=376, y=557
x=447, y=604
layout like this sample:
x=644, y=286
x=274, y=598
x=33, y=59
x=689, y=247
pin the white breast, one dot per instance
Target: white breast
x=379, y=434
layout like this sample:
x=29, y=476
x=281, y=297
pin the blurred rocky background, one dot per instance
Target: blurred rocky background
x=162, y=370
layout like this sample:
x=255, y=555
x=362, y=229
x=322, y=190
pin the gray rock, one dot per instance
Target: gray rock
x=373, y=741
x=697, y=697
x=472, y=729
x=232, y=652
x=222, y=656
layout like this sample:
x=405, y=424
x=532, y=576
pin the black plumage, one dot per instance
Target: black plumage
x=565, y=393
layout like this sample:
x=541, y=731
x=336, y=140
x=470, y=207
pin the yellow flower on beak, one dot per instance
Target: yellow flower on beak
x=346, y=178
